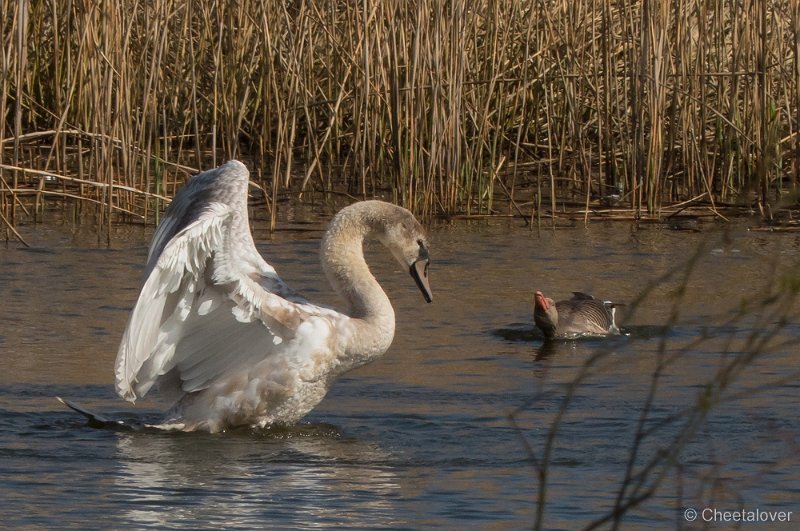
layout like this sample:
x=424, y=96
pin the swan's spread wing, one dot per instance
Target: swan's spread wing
x=204, y=312
x=226, y=185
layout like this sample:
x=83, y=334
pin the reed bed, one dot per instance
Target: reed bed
x=446, y=107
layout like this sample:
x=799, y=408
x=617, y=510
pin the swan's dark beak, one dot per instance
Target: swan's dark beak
x=419, y=270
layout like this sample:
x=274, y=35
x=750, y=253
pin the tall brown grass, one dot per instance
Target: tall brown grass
x=442, y=106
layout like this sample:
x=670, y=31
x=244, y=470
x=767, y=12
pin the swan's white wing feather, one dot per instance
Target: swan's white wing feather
x=204, y=230
x=201, y=316
x=226, y=185
x=166, y=301
x=224, y=346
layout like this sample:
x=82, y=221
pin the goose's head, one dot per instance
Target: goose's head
x=545, y=314
x=405, y=238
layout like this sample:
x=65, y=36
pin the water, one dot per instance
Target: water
x=422, y=438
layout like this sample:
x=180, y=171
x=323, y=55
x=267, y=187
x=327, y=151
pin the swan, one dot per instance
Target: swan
x=580, y=315
x=225, y=340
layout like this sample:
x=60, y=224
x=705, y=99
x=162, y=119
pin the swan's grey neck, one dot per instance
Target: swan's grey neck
x=372, y=316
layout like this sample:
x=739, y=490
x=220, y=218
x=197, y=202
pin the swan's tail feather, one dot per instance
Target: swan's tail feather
x=95, y=420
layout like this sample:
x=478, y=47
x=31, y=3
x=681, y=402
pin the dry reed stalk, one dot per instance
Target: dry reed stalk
x=661, y=102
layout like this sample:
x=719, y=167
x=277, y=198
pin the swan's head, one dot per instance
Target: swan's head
x=545, y=314
x=394, y=226
x=405, y=238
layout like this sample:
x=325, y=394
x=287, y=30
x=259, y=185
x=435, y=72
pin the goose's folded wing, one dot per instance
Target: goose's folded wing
x=203, y=311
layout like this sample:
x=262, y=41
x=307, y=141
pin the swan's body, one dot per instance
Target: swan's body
x=223, y=336
x=580, y=315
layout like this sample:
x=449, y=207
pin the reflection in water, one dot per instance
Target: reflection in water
x=547, y=350
x=242, y=478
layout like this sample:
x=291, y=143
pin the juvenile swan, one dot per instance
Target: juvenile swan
x=226, y=339
x=580, y=315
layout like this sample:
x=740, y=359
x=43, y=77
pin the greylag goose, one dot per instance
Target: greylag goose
x=225, y=339
x=580, y=315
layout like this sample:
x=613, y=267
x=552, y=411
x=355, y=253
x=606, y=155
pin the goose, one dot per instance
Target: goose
x=580, y=315
x=228, y=342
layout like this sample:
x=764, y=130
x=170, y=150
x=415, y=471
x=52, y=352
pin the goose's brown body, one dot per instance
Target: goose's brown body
x=580, y=315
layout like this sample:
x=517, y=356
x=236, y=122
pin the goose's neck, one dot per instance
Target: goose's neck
x=371, y=314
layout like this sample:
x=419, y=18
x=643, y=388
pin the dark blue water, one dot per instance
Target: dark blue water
x=469, y=421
